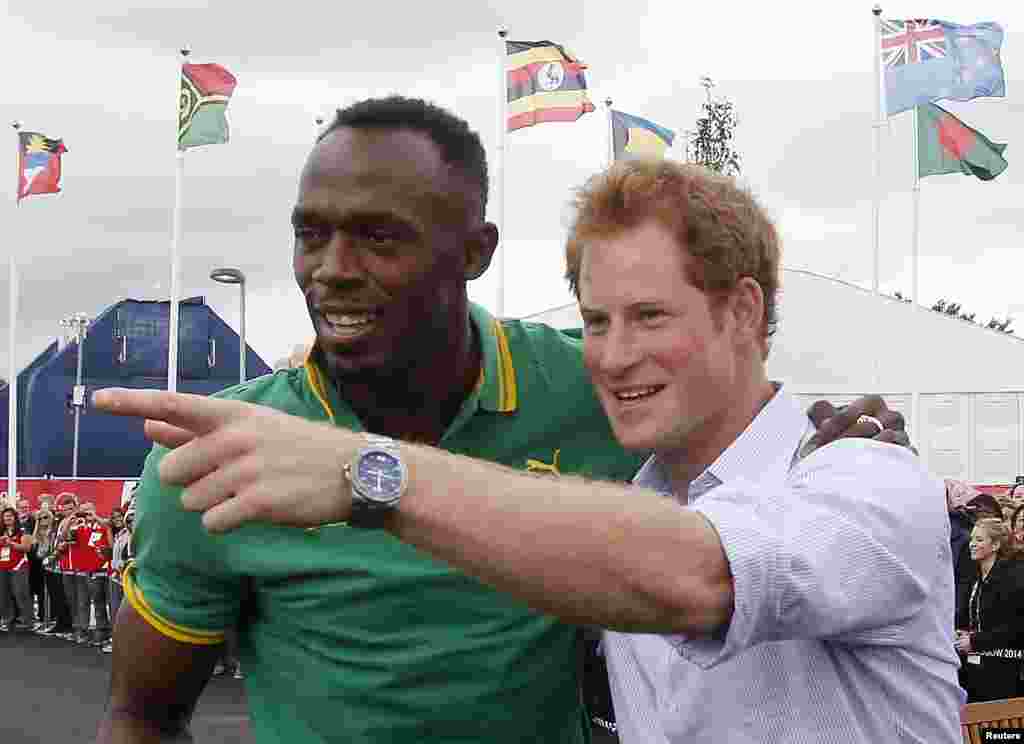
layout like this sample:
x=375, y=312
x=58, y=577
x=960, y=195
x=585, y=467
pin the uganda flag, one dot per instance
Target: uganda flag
x=38, y=164
x=633, y=136
x=947, y=145
x=545, y=83
x=203, y=105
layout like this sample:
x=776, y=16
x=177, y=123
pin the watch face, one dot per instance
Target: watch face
x=380, y=475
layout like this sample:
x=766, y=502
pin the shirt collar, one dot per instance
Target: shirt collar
x=496, y=388
x=765, y=449
x=497, y=385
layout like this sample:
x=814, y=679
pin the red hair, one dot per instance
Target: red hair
x=718, y=223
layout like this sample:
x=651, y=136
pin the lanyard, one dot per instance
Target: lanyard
x=974, y=606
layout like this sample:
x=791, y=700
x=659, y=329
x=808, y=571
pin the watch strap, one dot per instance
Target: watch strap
x=366, y=513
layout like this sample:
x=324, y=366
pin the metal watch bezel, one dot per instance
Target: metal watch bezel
x=367, y=496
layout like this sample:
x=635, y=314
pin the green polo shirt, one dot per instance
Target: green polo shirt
x=350, y=635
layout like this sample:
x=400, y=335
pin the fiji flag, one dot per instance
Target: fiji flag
x=38, y=164
x=636, y=137
x=928, y=60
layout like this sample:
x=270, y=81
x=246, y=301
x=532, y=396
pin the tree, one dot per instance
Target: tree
x=710, y=144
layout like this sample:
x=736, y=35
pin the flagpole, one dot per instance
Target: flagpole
x=12, y=370
x=500, y=180
x=915, y=395
x=179, y=178
x=876, y=203
x=611, y=132
x=916, y=230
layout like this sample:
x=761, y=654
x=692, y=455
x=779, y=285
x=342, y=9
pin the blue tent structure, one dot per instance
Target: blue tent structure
x=126, y=346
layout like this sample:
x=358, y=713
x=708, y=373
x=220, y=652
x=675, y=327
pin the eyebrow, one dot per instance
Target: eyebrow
x=633, y=306
x=302, y=215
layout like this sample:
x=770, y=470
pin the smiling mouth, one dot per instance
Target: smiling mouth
x=635, y=395
x=347, y=325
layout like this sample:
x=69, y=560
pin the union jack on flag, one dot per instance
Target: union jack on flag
x=910, y=41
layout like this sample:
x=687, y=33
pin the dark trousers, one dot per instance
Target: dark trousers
x=59, y=609
x=116, y=596
x=37, y=583
x=14, y=596
x=70, y=584
x=91, y=594
x=993, y=679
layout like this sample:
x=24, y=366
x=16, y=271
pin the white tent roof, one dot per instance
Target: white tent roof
x=959, y=385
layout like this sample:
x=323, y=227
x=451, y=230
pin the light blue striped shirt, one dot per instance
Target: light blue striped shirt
x=842, y=629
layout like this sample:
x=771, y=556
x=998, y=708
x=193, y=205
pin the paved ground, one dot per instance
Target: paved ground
x=53, y=692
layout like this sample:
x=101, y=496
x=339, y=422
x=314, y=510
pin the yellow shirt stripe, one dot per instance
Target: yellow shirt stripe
x=507, y=395
x=172, y=630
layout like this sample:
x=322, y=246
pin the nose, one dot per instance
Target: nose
x=616, y=350
x=340, y=262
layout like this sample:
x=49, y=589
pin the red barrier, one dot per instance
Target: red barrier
x=106, y=493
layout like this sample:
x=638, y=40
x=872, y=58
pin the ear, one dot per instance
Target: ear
x=747, y=307
x=479, y=250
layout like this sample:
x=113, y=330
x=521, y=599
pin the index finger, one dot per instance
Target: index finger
x=196, y=413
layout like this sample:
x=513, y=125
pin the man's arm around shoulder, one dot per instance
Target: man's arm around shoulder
x=152, y=702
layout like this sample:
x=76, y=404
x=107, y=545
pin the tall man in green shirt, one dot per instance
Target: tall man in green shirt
x=349, y=635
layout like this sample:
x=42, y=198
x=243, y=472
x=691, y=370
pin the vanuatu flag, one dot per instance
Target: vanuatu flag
x=633, y=136
x=947, y=145
x=203, y=105
x=38, y=164
x=545, y=83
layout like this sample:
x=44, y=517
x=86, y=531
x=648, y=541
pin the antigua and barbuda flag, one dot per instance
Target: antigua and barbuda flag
x=203, y=105
x=38, y=164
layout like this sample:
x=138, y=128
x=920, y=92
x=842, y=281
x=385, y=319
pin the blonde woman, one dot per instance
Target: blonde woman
x=44, y=537
x=990, y=636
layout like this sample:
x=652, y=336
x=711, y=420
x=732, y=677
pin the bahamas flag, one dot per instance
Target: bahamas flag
x=545, y=83
x=633, y=136
x=203, y=105
x=38, y=164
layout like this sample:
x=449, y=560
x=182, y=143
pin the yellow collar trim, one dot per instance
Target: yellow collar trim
x=508, y=398
x=317, y=385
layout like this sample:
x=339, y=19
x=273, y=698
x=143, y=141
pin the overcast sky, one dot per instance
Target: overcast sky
x=103, y=76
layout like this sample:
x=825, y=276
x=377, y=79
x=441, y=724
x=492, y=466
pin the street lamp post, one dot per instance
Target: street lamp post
x=234, y=276
x=78, y=323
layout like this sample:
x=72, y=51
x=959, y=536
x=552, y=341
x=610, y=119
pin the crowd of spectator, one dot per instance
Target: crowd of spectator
x=61, y=569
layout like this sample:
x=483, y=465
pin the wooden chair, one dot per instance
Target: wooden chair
x=976, y=717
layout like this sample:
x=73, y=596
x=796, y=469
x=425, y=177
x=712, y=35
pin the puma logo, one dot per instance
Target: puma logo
x=539, y=466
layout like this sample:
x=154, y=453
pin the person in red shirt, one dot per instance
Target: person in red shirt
x=70, y=555
x=90, y=559
x=14, y=585
x=60, y=562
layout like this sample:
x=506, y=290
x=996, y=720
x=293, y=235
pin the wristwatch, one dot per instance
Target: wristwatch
x=378, y=478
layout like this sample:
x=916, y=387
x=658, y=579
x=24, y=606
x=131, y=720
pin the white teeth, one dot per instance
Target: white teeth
x=635, y=394
x=339, y=319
